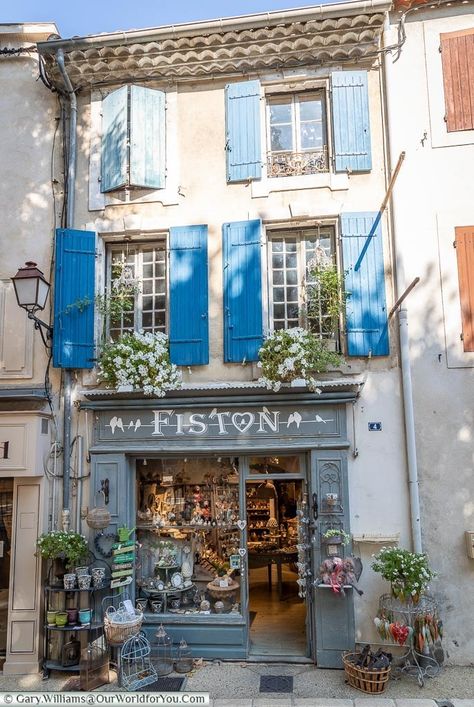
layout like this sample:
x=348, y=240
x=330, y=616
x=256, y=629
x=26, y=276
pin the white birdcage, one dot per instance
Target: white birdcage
x=184, y=658
x=163, y=652
x=136, y=670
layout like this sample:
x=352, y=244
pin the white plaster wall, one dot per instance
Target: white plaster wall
x=432, y=196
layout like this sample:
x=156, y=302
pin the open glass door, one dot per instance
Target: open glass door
x=6, y=510
x=274, y=490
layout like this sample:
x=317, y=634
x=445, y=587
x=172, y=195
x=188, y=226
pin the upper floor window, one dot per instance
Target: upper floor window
x=464, y=243
x=296, y=293
x=296, y=135
x=137, y=288
x=457, y=50
x=133, y=139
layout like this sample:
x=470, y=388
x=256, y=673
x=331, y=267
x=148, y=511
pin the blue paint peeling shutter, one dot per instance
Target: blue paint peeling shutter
x=243, y=144
x=364, y=281
x=351, y=121
x=189, y=329
x=114, y=157
x=243, y=327
x=74, y=280
x=147, y=137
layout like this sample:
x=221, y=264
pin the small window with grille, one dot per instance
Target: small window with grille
x=136, y=294
x=296, y=134
x=304, y=282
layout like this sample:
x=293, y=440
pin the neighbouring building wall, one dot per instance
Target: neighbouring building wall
x=28, y=127
x=433, y=197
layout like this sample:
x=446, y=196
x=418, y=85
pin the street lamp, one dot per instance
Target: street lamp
x=31, y=290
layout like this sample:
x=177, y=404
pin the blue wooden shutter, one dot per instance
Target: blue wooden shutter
x=243, y=144
x=147, y=137
x=74, y=280
x=351, y=121
x=243, y=329
x=114, y=157
x=189, y=329
x=364, y=281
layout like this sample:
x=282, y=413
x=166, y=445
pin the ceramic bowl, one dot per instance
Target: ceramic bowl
x=156, y=606
x=85, y=616
x=69, y=581
x=51, y=617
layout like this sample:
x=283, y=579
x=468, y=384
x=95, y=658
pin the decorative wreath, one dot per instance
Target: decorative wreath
x=106, y=538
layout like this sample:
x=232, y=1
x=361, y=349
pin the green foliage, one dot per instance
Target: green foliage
x=79, y=304
x=68, y=546
x=325, y=296
x=408, y=572
x=288, y=354
x=337, y=532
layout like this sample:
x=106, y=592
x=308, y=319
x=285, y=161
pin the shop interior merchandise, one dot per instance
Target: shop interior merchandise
x=188, y=535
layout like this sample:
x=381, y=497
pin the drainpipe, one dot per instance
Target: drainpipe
x=67, y=381
x=400, y=287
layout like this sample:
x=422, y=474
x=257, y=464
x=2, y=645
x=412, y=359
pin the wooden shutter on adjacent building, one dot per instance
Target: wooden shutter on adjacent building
x=189, y=328
x=243, y=319
x=465, y=257
x=457, y=56
x=364, y=283
x=243, y=141
x=74, y=291
x=351, y=121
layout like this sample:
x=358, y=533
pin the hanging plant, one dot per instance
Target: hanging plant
x=120, y=297
x=291, y=354
x=140, y=360
x=325, y=295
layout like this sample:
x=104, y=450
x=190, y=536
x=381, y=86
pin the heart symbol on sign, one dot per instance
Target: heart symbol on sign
x=243, y=420
x=242, y=551
x=241, y=524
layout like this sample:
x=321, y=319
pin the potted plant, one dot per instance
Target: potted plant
x=139, y=361
x=291, y=354
x=408, y=572
x=119, y=298
x=336, y=536
x=68, y=547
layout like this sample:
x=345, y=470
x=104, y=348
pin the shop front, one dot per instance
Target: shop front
x=229, y=498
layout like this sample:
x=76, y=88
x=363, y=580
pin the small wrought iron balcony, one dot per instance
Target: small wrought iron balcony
x=291, y=164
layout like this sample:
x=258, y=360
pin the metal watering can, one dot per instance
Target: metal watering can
x=124, y=533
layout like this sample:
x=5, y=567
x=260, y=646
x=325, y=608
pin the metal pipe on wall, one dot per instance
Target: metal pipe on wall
x=400, y=287
x=70, y=191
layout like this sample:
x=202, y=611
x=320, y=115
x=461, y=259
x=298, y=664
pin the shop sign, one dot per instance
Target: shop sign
x=219, y=423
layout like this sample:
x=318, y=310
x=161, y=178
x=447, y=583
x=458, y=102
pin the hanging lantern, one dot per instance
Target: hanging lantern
x=163, y=652
x=184, y=659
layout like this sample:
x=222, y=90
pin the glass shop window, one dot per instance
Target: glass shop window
x=279, y=464
x=188, y=559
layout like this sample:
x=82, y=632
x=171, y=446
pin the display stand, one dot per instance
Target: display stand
x=424, y=634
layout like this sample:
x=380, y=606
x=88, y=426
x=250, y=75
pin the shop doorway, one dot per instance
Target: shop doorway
x=277, y=614
x=6, y=510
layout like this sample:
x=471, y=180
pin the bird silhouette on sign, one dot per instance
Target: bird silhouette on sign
x=296, y=418
x=116, y=422
x=321, y=419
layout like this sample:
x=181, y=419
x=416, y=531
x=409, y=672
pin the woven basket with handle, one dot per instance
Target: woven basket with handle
x=364, y=679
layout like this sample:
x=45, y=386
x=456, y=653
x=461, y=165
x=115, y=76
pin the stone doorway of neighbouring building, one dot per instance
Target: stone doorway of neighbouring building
x=277, y=615
x=6, y=510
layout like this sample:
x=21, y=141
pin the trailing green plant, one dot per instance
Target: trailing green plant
x=79, y=304
x=325, y=295
x=64, y=545
x=119, y=298
x=337, y=533
x=408, y=572
x=289, y=354
x=141, y=360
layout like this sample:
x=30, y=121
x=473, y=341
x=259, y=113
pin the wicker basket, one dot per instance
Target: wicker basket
x=117, y=633
x=369, y=681
x=98, y=518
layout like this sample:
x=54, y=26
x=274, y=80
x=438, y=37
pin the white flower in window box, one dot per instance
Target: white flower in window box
x=139, y=361
x=294, y=356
